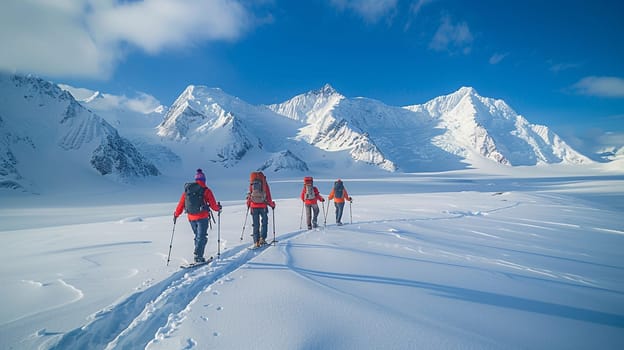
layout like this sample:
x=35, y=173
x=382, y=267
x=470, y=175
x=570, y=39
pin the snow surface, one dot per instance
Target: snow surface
x=527, y=259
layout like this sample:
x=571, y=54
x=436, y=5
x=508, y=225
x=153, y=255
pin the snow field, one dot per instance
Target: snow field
x=449, y=269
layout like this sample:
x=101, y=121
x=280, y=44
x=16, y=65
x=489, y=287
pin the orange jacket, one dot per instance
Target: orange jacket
x=208, y=198
x=317, y=196
x=268, y=201
x=345, y=196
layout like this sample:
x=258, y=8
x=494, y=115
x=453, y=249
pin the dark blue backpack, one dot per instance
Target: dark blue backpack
x=194, y=198
x=338, y=189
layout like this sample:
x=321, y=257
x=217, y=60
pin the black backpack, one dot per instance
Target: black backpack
x=194, y=198
x=338, y=189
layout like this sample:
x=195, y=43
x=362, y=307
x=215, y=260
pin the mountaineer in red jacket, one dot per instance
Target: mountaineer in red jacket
x=195, y=201
x=258, y=198
x=309, y=195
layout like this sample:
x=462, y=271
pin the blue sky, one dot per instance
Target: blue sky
x=557, y=62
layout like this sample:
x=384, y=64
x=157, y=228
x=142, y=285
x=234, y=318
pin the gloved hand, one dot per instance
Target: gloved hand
x=272, y=204
x=220, y=206
x=350, y=199
x=175, y=218
x=322, y=199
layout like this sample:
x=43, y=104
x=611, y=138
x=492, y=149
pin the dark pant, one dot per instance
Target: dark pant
x=200, y=228
x=312, y=220
x=339, y=209
x=260, y=231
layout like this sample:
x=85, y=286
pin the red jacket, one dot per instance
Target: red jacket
x=317, y=196
x=208, y=198
x=268, y=200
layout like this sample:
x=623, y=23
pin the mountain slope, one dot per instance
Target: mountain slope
x=46, y=130
x=476, y=126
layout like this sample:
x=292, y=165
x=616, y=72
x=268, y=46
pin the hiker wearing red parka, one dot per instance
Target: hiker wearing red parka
x=258, y=199
x=195, y=201
x=310, y=195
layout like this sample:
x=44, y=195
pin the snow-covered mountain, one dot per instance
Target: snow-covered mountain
x=228, y=130
x=475, y=126
x=47, y=135
x=449, y=132
x=328, y=130
x=319, y=132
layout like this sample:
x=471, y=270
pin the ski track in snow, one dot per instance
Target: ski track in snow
x=156, y=312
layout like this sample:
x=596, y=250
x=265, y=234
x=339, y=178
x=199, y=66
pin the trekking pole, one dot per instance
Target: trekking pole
x=274, y=240
x=219, y=232
x=301, y=220
x=324, y=216
x=245, y=223
x=171, y=243
x=350, y=213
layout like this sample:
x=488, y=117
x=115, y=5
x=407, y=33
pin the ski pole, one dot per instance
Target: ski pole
x=273, y=211
x=324, y=216
x=245, y=223
x=219, y=232
x=171, y=243
x=301, y=220
x=350, y=212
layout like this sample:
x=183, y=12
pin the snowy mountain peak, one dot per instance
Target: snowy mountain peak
x=46, y=128
x=476, y=126
x=326, y=90
x=466, y=90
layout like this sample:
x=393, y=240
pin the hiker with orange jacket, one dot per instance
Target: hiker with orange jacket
x=310, y=195
x=195, y=201
x=258, y=198
x=339, y=195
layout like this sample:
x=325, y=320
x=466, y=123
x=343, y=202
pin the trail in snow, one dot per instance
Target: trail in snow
x=133, y=323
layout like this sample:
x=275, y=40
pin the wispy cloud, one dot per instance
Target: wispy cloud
x=497, y=58
x=452, y=37
x=88, y=38
x=600, y=86
x=416, y=6
x=371, y=11
x=141, y=103
x=560, y=67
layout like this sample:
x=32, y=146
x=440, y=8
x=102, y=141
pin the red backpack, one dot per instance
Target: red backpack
x=257, y=187
x=308, y=184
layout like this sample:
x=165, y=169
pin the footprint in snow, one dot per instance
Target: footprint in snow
x=219, y=308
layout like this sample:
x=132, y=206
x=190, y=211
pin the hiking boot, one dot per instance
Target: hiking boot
x=339, y=223
x=309, y=227
x=262, y=241
x=257, y=244
x=200, y=259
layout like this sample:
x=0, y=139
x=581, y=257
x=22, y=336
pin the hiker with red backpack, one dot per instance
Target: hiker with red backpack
x=310, y=195
x=339, y=195
x=258, y=200
x=197, y=200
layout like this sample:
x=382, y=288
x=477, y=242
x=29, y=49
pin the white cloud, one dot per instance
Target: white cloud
x=141, y=103
x=370, y=10
x=560, y=67
x=600, y=86
x=417, y=5
x=87, y=38
x=497, y=58
x=452, y=37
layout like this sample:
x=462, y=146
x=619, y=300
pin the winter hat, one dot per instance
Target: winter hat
x=200, y=176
